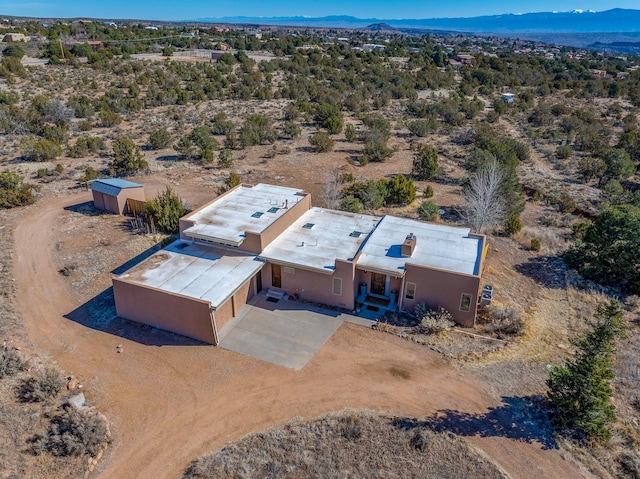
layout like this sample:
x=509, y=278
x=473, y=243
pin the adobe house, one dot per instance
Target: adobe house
x=265, y=237
x=111, y=194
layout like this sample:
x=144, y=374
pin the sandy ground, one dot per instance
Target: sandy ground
x=170, y=402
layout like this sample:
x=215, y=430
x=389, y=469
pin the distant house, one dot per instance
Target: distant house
x=112, y=194
x=15, y=37
x=266, y=237
x=508, y=97
x=464, y=58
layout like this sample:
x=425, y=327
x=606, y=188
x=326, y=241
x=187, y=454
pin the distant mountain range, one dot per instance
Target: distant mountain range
x=578, y=21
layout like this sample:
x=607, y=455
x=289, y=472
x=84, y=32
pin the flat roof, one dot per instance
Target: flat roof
x=438, y=246
x=319, y=237
x=113, y=186
x=195, y=271
x=244, y=209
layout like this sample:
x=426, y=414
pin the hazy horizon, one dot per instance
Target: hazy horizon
x=410, y=9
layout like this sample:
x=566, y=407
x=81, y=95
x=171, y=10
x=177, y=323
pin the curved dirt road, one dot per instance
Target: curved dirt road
x=169, y=404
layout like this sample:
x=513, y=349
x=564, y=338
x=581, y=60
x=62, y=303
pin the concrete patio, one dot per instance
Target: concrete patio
x=286, y=333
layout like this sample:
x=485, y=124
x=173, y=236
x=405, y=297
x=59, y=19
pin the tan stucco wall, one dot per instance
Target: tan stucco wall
x=257, y=242
x=223, y=314
x=117, y=204
x=98, y=200
x=318, y=287
x=439, y=288
x=133, y=193
x=187, y=316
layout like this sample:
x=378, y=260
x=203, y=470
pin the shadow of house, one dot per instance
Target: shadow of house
x=519, y=418
x=87, y=208
x=99, y=313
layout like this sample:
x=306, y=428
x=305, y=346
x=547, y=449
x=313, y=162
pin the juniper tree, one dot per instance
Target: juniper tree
x=580, y=392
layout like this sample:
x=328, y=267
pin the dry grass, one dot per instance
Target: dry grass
x=350, y=444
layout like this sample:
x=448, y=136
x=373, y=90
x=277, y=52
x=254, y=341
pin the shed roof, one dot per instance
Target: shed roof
x=438, y=246
x=319, y=237
x=113, y=186
x=195, y=271
x=244, y=209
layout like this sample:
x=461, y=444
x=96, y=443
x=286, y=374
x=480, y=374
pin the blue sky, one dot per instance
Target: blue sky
x=384, y=9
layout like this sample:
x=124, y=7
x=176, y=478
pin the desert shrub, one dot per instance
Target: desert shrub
x=43, y=172
x=72, y=433
x=44, y=385
x=375, y=150
x=506, y=322
x=421, y=440
x=220, y=124
x=428, y=191
x=165, y=211
x=256, y=130
x=56, y=134
x=351, y=427
x=85, y=145
x=321, y=141
x=159, y=139
x=85, y=125
x=329, y=117
x=513, y=225
x=109, y=118
x=128, y=158
x=422, y=128
x=425, y=163
x=11, y=362
x=564, y=151
x=400, y=190
x=291, y=129
x=14, y=191
x=535, y=244
x=431, y=321
x=352, y=204
x=233, y=180
x=41, y=150
x=57, y=112
x=350, y=133
x=566, y=204
x=89, y=174
x=225, y=158
x=428, y=211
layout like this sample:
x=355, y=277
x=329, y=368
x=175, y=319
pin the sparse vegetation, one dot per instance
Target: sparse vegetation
x=14, y=191
x=357, y=444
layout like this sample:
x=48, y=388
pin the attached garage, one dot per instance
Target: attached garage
x=189, y=289
x=112, y=194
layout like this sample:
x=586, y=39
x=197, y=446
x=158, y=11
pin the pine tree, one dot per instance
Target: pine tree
x=580, y=391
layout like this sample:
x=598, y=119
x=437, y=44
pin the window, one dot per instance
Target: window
x=337, y=286
x=289, y=270
x=356, y=234
x=273, y=209
x=308, y=226
x=257, y=214
x=410, y=291
x=465, y=302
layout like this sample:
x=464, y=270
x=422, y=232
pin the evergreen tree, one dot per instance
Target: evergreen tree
x=580, y=391
x=165, y=210
x=425, y=163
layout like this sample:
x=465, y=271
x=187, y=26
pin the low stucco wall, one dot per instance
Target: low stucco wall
x=439, y=288
x=187, y=316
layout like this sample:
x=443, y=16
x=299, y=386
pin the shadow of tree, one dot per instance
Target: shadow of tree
x=519, y=418
x=549, y=271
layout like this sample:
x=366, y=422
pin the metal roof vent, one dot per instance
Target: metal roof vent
x=409, y=245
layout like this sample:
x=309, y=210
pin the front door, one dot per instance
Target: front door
x=378, y=282
x=276, y=276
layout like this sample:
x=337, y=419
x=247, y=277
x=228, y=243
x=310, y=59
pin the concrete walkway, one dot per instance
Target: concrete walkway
x=286, y=333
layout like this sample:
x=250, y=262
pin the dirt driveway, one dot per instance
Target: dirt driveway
x=171, y=402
